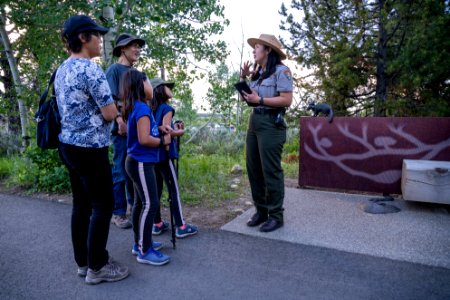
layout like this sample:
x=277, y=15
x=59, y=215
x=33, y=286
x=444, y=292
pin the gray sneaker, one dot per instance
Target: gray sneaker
x=112, y=271
x=121, y=221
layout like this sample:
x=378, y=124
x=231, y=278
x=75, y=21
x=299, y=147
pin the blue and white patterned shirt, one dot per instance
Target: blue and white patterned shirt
x=81, y=90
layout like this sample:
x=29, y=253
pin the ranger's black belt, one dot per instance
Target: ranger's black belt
x=268, y=111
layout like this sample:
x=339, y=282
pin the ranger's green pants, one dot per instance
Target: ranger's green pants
x=264, y=147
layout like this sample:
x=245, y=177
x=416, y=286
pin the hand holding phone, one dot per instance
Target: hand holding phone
x=242, y=87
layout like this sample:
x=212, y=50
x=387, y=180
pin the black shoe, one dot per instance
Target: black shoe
x=270, y=225
x=256, y=219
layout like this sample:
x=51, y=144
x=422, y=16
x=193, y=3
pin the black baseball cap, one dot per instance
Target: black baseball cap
x=82, y=23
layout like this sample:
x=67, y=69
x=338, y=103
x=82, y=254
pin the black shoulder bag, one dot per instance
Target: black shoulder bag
x=48, y=119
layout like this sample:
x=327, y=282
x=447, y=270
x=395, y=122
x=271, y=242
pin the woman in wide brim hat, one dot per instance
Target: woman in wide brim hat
x=271, y=84
x=270, y=41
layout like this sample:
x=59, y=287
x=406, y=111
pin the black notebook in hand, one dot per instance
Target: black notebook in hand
x=242, y=86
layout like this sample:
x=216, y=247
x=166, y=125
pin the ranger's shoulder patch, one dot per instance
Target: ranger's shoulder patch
x=287, y=73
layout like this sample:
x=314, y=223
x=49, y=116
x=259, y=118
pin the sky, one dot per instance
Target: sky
x=248, y=19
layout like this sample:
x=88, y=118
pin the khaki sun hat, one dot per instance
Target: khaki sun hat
x=158, y=81
x=268, y=40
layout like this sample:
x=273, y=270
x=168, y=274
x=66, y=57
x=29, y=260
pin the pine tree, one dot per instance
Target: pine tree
x=362, y=54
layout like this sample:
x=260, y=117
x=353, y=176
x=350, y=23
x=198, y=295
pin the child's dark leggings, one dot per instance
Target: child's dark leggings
x=146, y=202
x=166, y=170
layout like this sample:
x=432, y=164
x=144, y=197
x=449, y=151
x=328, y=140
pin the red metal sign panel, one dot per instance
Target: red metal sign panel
x=366, y=154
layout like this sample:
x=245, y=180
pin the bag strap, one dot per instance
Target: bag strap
x=45, y=94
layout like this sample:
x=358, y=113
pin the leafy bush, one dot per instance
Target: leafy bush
x=290, y=170
x=204, y=164
x=5, y=167
x=206, y=179
x=22, y=173
x=209, y=142
x=40, y=170
x=9, y=143
x=292, y=141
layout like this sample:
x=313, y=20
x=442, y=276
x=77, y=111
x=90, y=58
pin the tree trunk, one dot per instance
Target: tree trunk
x=11, y=117
x=108, y=38
x=381, y=88
x=16, y=78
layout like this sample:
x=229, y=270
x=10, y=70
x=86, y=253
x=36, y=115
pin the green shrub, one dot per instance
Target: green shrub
x=206, y=179
x=5, y=167
x=290, y=170
x=9, y=143
x=23, y=173
x=292, y=141
x=205, y=166
x=209, y=142
x=39, y=170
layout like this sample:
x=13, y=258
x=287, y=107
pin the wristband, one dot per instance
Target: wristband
x=161, y=140
x=261, y=101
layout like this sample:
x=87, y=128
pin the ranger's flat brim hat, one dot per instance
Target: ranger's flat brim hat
x=125, y=39
x=158, y=81
x=268, y=40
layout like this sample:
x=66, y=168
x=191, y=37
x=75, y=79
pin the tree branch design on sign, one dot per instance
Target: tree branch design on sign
x=382, y=146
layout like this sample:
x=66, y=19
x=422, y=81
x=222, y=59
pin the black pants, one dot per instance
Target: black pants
x=166, y=170
x=146, y=201
x=93, y=202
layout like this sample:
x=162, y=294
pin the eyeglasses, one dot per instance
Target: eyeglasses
x=136, y=46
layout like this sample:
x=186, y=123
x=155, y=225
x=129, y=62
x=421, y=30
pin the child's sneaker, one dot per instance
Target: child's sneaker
x=160, y=227
x=153, y=257
x=156, y=246
x=186, y=230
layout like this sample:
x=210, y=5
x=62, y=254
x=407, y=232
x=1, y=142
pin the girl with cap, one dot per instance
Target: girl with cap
x=164, y=114
x=128, y=50
x=143, y=152
x=87, y=109
x=271, y=85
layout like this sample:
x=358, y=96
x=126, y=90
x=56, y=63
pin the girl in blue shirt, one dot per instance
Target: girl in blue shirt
x=142, y=154
x=165, y=168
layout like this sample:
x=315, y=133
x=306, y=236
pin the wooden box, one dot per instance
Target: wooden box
x=426, y=181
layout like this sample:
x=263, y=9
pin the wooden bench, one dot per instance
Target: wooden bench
x=426, y=181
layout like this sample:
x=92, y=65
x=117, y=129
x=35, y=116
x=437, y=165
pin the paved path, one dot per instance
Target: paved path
x=36, y=263
x=419, y=233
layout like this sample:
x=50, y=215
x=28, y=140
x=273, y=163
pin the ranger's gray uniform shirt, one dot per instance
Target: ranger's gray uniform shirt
x=278, y=82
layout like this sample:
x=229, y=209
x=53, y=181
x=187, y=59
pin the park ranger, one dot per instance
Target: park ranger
x=271, y=84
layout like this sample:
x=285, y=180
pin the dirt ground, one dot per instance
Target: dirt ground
x=204, y=217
